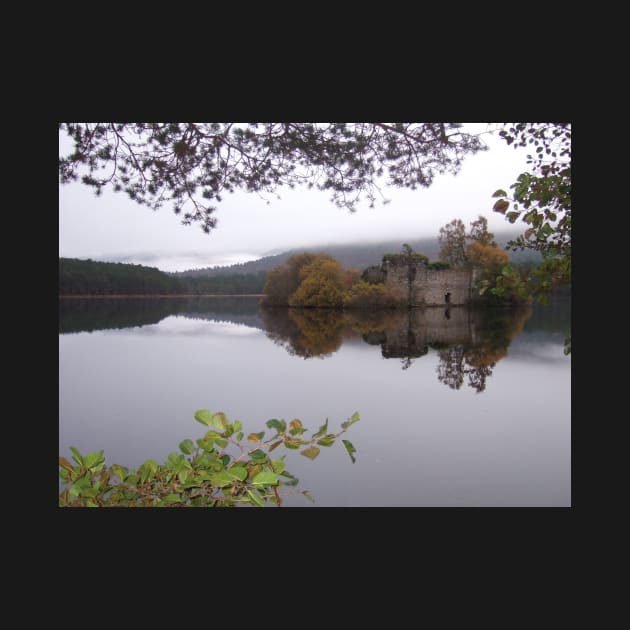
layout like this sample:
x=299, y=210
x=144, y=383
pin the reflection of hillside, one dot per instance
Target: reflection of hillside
x=87, y=315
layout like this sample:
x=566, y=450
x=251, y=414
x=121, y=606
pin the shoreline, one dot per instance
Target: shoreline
x=160, y=295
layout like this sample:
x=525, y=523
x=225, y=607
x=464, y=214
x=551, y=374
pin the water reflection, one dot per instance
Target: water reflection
x=448, y=446
x=91, y=314
x=305, y=333
x=468, y=342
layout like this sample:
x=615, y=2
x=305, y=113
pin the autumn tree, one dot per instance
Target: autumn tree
x=486, y=257
x=452, y=241
x=371, y=295
x=320, y=285
x=284, y=280
x=190, y=166
x=479, y=232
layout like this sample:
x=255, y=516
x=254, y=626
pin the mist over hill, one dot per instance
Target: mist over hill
x=352, y=256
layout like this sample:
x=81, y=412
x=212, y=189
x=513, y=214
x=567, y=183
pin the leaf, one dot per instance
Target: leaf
x=350, y=449
x=221, y=442
x=93, y=459
x=312, y=452
x=175, y=459
x=203, y=416
x=221, y=479
x=499, y=193
x=187, y=447
x=64, y=463
x=501, y=206
x=348, y=423
x=275, y=445
x=76, y=456
x=237, y=472
x=219, y=420
x=265, y=479
x=512, y=216
x=253, y=437
x=293, y=444
x=322, y=430
x=279, y=425
x=172, y=498
x=256, y=500
x=328, y=440
x=239, y=436
x=258, y=455
x=237, y=426
x=295, y=427
x=206, y=445
x=307, y=494
x=278, y=465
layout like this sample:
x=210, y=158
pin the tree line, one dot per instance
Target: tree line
x=89, y=277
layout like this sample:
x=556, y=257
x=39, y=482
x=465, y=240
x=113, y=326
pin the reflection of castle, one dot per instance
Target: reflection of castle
x=425, y=286
x=420, y=328
x=469, y=342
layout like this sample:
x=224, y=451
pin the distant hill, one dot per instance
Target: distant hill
x=90, y=277
x=352, y=256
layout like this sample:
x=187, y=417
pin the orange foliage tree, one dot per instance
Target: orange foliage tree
x=320, y=284
x=487, y=257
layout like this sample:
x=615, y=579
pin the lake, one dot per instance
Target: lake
x=459, y=407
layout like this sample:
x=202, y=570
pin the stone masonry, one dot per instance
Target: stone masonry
x=429, y=287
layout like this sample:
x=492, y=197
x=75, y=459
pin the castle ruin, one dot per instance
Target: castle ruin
x=427, y=286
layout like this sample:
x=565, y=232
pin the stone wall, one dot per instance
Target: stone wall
x=429, y=287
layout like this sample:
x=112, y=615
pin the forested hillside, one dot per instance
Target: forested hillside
x=89, y=277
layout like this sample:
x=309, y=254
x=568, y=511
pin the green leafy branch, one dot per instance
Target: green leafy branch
x=202, y=474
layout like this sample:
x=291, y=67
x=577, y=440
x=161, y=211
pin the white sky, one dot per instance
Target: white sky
x=114, y=228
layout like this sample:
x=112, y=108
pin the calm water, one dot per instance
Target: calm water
x=458, y=408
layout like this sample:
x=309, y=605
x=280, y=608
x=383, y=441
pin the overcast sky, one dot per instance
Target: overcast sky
x=114, y=228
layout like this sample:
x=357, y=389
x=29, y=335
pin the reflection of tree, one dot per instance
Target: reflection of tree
x=494, y=331
x=450, y=369
x=305, y=332
x=457, y=361
x=469, y=343
x=480, y=361
x=320, y=331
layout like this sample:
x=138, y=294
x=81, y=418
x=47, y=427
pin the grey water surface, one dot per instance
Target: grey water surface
x=459, y=408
